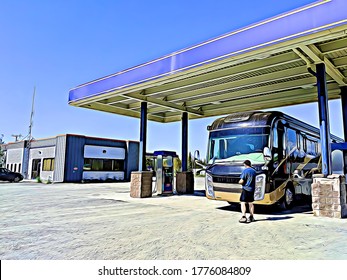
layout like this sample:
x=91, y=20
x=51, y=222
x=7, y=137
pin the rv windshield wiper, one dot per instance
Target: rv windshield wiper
x=229, y=160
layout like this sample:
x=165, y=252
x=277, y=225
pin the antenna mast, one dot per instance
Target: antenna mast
x=28, y=142
x=31, y=116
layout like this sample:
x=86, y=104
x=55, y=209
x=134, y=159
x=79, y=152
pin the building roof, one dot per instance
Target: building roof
x=51, y=140
x=261, y=66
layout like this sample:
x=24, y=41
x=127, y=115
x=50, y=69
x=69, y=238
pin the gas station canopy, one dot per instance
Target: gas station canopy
x=265, y=65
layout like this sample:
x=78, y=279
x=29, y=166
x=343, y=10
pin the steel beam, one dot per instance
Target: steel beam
x=164, y=103
x=120, y=111
x=324, y=119
x=344, y=110
x=316, y=55
x=143, y=137
x=344, y=118
x=184, y=141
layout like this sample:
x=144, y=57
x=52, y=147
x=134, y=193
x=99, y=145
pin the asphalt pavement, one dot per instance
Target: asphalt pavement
x=102, y=222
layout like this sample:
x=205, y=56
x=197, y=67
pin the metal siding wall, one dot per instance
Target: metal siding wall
x=132, y=159
x=75, y=155
x=49, y=142
x=74, y=158
x=14, y=156
x=59, y=162
x=40, y=153
x=15, y=145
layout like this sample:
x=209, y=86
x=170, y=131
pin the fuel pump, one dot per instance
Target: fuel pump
x=164, y=171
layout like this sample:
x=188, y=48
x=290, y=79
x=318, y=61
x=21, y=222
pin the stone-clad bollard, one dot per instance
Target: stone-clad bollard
x=185, y=182
x=141, y=184
x=329, y=196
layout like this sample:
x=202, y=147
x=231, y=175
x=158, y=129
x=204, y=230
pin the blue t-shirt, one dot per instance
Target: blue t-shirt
x=248, y=176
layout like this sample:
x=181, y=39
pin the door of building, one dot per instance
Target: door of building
x=36, y=168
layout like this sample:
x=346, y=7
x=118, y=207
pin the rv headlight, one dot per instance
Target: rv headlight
x=260, y=181
x=209, y=185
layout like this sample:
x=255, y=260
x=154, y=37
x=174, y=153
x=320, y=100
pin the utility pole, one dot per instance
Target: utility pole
x=16, y=136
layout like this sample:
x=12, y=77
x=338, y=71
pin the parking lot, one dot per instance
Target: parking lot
x=102, y=222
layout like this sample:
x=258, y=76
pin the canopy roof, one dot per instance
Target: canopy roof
x=261, y=66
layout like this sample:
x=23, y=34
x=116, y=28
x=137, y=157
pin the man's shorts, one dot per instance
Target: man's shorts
x=247, y=196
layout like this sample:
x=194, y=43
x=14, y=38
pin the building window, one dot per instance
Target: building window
x=108, y=164
x=48, y=164
x=93, y=164
x=97, y=164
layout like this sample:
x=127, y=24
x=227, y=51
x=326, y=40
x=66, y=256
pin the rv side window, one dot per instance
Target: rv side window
x=301, y=142
x=305, y=144
x=291, y=140
x=275, y=138
x=311, y=147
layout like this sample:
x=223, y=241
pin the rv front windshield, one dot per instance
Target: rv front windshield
x=237, y=145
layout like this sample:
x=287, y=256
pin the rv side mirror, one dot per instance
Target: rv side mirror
x=197, y=159
x=267, y=154
x=197, y=155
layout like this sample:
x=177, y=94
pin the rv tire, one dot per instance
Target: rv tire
x=288, y=198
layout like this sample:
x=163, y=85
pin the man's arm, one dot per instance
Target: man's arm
x=242, y=180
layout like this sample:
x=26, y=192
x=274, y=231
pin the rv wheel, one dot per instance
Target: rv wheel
x=288, y=198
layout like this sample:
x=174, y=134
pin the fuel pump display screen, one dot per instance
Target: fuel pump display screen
x=167, y=162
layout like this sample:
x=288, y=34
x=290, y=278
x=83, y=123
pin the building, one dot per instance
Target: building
x=73, y=158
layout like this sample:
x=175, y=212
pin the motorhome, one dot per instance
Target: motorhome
x=284, y=151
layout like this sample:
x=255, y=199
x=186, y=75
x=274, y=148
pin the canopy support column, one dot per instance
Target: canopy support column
x=185, y=179
x=184, y=141
x=143, y=137
x=344, y=110
x=141, y=181
x=344, y=118
x=324, y=124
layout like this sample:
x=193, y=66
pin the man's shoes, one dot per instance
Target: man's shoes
x=243, y=219
x=250, y=219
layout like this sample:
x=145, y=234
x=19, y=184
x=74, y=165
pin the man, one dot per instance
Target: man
x=247, y=196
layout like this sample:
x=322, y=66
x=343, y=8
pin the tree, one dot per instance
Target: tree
x=177, y=164
x=149, y=163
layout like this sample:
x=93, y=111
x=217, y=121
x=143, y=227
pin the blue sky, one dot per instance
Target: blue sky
x=57, y=45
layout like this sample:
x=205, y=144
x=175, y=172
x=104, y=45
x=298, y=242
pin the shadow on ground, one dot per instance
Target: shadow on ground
x=300, y=207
